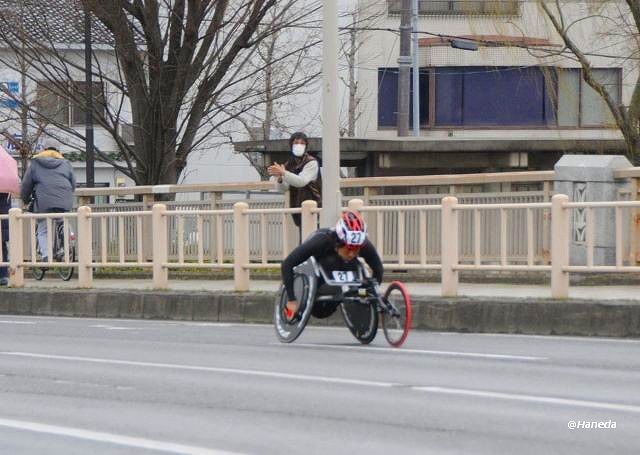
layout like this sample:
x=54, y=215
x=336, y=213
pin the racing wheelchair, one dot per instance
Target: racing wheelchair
x=357, y=295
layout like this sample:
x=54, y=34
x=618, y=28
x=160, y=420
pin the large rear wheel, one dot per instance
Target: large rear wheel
x=287, y=332
x=396, y=320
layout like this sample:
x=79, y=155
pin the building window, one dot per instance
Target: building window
x=504, y=97
x=53, y=103
x=77, y=108
x=579, y=104
x=388, y=97
x=490, y=96
x=460, y=7
x=594, y=110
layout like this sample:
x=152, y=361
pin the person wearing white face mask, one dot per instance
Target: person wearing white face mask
x=300, y=175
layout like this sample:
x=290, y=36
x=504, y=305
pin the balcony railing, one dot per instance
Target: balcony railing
x=460, y=7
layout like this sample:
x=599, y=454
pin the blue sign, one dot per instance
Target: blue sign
x=8, y=100
x=11, y=145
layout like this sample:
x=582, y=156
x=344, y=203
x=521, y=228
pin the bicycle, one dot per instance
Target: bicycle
x=358, y=295
x=66, y=273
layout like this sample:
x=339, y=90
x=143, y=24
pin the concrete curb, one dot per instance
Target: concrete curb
x=480, y=315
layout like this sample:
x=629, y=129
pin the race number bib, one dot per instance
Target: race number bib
x=343, y=276
x=355, y=237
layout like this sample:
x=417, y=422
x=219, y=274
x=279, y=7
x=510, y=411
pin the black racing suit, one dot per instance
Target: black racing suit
x=322, y=245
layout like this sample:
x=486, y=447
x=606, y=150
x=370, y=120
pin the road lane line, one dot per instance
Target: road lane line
x=590, y=339
x=110, y=438
x=17, y=322
x=115, y=327
x=423, y=351
x=530, y=398
x=171, y=366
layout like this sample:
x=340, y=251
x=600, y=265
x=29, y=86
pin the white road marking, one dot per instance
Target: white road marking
x=110, y=438
x=530, y=398
x=590, y=339
x=17, y=322
x=427, y=352
x=114, y=327
x=171, y=366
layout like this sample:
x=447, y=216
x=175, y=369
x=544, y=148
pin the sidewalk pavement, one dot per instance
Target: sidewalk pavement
x=617, y=292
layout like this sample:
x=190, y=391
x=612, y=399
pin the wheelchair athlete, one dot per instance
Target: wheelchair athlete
x=334, y=249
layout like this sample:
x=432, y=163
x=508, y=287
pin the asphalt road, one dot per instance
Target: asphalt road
x=78, y=386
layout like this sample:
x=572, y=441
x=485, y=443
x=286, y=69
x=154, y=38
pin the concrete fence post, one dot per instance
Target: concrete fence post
x=160, y=246
x=449, y=248
x=84, y=200
x=85, y=247
x=240, y=246
x=147, y=227
x=309, y=218
x=16, y=270
x=559, y=246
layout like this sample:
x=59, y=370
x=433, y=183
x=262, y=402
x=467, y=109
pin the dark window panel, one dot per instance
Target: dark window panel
x=388, y=97
x=490, y=96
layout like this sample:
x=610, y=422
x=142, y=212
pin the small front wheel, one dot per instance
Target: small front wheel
x=397, y=316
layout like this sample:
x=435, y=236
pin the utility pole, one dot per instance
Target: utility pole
x=331, y=196
x=404, y=65
x=416, y=69
x=88, y=115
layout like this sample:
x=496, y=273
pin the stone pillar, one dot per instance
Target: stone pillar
x=589, y=178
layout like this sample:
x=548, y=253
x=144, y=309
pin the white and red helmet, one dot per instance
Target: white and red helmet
x=351, y=229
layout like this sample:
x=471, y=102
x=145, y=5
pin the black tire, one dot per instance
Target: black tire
x=38, y=272
x=285, y=331
x=396, y=326
x=66, y=273
x=361, y=320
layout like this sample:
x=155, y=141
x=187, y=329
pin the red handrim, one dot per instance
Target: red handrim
x=408, y=314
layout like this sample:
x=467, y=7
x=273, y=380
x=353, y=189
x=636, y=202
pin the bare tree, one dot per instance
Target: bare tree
x=617, y=21
x=180, y=74
x=360, y=17
x=291, y=74
x=18, y=111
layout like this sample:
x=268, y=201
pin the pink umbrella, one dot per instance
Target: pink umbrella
x=9, y=180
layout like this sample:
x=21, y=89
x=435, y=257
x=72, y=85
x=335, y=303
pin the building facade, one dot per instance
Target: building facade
x=518, y=102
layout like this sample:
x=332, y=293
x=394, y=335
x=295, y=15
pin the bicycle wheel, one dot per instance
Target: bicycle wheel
x=304, y=290
x=396, y=320
x=66, y=273
x=38, y=272
x=361, y=320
